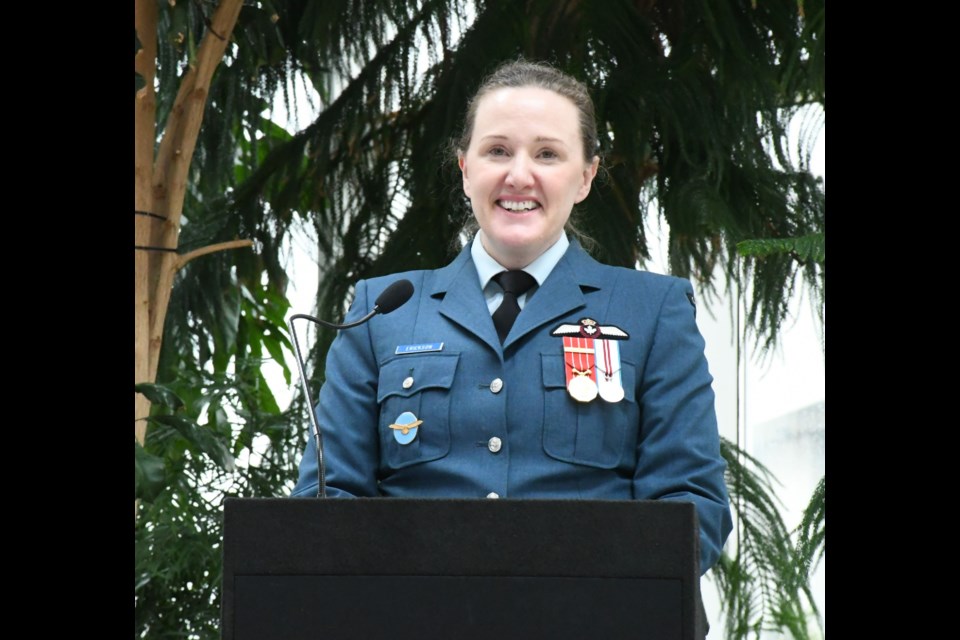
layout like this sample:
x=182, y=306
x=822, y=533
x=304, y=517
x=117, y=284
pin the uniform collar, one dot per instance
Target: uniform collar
x=487, y=266
x=576, y=263
x=561, y=294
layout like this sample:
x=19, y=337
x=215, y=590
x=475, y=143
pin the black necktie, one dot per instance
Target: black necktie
x=515, y=284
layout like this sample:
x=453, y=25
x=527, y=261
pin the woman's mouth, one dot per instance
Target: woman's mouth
x=519, y=206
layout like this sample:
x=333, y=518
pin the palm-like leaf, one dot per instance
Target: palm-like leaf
x=764, y=584
x=693, y=99
x=812, y=532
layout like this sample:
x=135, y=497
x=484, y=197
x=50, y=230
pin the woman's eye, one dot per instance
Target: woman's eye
x=497, y=151
x=548, y=154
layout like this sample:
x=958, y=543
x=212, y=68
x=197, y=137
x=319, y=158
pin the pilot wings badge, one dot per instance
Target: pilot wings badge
x=589, y=328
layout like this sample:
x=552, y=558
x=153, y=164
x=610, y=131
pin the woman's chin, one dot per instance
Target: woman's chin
x=515, y=251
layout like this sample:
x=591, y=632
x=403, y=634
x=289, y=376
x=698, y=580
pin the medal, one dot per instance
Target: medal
x=579, y=361
x=609, y=383
x=582, y=388
x=591, y=357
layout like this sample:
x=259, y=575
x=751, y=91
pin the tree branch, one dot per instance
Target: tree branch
x=220, y=246
x=145, y=63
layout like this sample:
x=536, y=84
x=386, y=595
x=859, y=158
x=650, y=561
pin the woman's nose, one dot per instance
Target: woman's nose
x=520, y=175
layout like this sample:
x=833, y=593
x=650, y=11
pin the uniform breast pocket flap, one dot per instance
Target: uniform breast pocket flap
x=598, y=433
x=414, y=396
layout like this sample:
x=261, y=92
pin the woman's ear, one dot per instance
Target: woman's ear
x=589, y=173
x=462, y=163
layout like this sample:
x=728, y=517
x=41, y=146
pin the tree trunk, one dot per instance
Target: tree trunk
x=145, y=21
x=160, y=184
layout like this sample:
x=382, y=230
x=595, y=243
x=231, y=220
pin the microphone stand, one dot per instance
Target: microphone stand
x=392, y=297
x=317, y=438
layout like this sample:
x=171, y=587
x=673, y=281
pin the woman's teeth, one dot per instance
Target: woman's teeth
x=525, y=205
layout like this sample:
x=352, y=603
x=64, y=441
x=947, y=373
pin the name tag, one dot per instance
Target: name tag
x=418, y=348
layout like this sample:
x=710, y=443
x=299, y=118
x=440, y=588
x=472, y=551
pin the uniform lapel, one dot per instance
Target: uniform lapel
x=463, y=303
x=561, y=293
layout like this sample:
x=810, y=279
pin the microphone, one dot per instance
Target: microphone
x=392, y=298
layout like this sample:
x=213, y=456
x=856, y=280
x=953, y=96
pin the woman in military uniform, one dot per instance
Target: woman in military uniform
x=525, y=369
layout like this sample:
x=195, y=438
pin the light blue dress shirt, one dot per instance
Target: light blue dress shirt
x=487, y=267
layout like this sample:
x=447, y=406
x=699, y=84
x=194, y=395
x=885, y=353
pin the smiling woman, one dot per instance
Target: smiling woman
x=524, y=171
x=526, y=369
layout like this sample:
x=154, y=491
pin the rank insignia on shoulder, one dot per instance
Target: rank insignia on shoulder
x=590, y=328
x=406, y=427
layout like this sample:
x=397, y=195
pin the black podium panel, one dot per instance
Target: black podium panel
x=390, y=568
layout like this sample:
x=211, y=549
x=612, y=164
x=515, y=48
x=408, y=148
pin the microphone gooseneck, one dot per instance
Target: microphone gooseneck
x=392, y=298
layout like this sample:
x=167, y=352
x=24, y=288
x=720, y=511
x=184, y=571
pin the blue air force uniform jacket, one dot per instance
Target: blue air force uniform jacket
x=497, y=421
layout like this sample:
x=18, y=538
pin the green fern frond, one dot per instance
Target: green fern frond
x=806, y=248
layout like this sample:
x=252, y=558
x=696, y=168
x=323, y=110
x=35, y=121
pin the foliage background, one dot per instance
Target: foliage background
x=694, y=98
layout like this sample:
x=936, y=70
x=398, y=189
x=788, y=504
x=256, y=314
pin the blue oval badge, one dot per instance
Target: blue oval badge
x=405, y=427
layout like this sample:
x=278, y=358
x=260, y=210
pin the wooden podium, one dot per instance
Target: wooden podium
x=395, y=568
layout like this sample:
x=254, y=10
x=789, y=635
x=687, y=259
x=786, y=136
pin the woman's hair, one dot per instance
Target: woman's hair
x=520, y=73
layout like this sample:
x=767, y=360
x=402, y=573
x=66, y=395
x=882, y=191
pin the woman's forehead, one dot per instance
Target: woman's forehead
x=541, y=113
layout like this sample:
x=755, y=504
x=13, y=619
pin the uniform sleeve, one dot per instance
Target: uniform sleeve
x=678, y=451
x=347, y=414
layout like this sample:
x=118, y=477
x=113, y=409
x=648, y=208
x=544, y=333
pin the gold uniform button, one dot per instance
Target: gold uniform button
x=494, y=444
x=408, y=382
x=496, y=385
